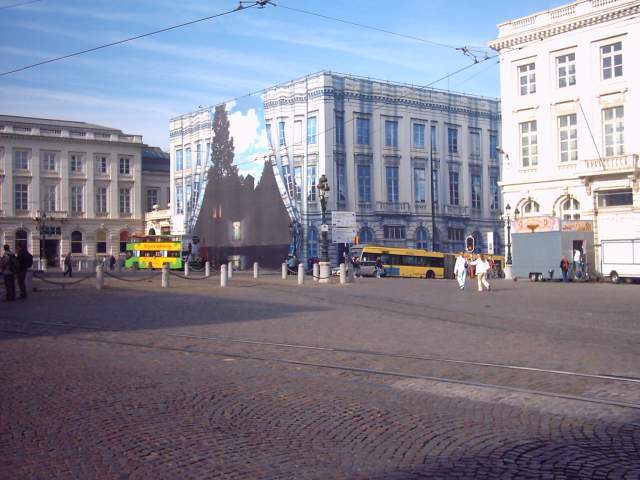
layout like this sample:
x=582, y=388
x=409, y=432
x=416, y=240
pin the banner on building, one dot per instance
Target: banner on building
x=535, y=224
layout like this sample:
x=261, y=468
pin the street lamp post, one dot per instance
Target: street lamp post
x=41, y=218
x=508, y=274
x=325, y=265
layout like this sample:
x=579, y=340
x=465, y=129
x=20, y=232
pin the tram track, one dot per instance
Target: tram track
x=343, y=365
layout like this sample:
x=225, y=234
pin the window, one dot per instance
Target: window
x=188, y=193
x=76, y=163
x=125, y=165
x=21, y=196
x=364, y=183
x=421, y=238
x=613, y=123
x=312, y=243
x=566, y=68
x=341, y=185
x=198, y=154
x=611, y=60
x=362, y=131
x=568, y=136
x=494, y=192
x=236, y=234
x=77, y=194
x=529, y=143
x=21, y=239
x=178, y=159
x=101, y=200
x=454, y=192
x=570, y=209
x=474, y=144
x=187, y=158
x=476, y=191
x=281, y=138
x=179, y=200
x=393, y=195
x=152, y=198
x=394, y=232
x=391, y=133
x=49, y=161
x=419, y=185
x=365, y=236
x=101, y=242
x=76, y=242
x=20, y=160
x=125, y=200
x=493, y=146
x=124, y=238
x=455, y=234
x=418, y=135
x=311, y=183
x=434, y=138
x=50, y=197
x=102, y=167
x=527, y=75
x=339, y=129
x=208, y=154
x=615, y=198
x=297, y=176
x=312, y=130
x=531, y=207
x=452, y=140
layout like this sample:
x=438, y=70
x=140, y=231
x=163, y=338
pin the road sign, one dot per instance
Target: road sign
x=343, y=227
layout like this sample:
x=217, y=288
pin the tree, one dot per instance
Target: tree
x=222, y=149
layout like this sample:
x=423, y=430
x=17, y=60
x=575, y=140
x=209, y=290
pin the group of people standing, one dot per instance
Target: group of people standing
x=482, y=269
x=14, y=265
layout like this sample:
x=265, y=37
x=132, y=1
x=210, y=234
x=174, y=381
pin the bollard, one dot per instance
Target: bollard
x=230, y=270
x=79, y=265
x=44, y=266
x=99, y=277
x=255, y=269
x=343, y=274
x=300, y=274
x=165, y=276
x=316, y=272
x=223, y=275
x=207, y=269
x=284, y=271
x=186, y=269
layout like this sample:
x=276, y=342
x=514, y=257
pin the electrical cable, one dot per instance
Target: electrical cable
x=136, y=37
x=20, y=4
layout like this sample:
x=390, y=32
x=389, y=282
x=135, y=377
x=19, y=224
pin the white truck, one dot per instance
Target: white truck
x=620, y=259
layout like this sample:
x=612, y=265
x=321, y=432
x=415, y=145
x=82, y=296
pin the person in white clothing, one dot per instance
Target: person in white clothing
x=482, y=267
x=460, y=270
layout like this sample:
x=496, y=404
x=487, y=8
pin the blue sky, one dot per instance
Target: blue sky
x=140, y=85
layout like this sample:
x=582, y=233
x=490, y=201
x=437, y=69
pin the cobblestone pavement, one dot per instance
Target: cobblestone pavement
x=197, y=381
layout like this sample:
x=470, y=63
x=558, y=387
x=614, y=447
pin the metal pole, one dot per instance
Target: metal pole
x=433, y=202
x=509, y=258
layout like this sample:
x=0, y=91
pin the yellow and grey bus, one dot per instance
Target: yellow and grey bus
x=400, y=262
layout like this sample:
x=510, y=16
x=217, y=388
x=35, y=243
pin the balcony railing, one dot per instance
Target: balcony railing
x=364, y=206
x=619, y=164
x=393, y=207
x=422, y=207
x=456, y=211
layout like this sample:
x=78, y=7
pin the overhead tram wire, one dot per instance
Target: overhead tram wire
x=136, y=37
x=19, y=4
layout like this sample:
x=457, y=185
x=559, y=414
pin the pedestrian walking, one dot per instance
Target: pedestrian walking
x=379, y=268
x=356, y=266
x=482, y=267
x=25, y=262
x=9, y=268
x=564, y=267
x=68, y=269
x=112, y=262
x=460, y=270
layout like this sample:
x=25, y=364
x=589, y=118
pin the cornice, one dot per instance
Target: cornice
x=515, y=40
x=85, y=141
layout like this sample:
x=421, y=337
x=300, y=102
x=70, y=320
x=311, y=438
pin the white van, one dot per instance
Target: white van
x=620, y=259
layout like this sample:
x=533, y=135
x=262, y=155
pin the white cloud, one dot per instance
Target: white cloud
x=231, y=105
x=245, y=129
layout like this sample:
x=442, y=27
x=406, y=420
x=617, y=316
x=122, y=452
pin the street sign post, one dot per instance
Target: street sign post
x=343, y=227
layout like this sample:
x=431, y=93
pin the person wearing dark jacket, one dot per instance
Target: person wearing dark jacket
x=25, y=262
x=9, y=267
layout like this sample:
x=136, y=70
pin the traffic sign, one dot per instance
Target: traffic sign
x=343, y=227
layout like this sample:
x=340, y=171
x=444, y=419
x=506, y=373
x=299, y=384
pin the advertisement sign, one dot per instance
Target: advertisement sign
x=535, y=224
x=577, y=226
x=343, y=227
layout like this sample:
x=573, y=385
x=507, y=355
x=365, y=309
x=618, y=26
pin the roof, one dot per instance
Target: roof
x=54, y=123
x=154, y=159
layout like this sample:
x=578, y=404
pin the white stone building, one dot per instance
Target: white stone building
x=570, y=80
x=69, y=186
x=374, y=141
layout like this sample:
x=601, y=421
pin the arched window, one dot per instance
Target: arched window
x=365, y=236
x=152, y=231
x=477, y=241
x=124, y=238
x=101, y=242
x=421, y=238
x=312, y=243
x=21, y=239
x=531, y=207
x=570, y=209
x=76, y=242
